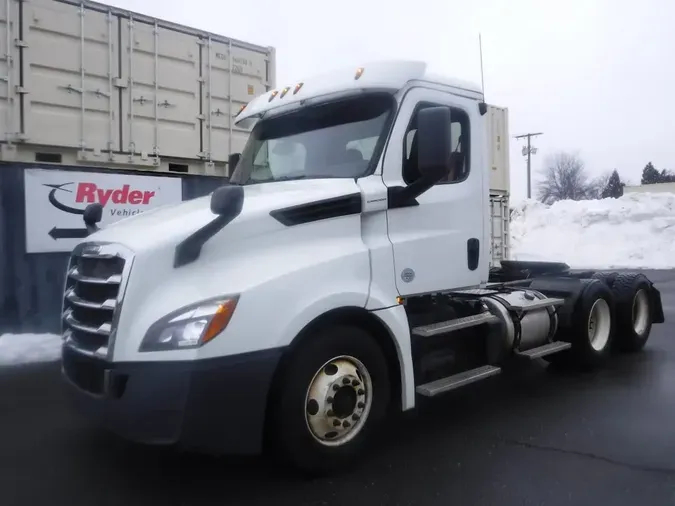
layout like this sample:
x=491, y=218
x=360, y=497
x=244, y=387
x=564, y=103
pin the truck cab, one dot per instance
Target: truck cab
x=343, y=271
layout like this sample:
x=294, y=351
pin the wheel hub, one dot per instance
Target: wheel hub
x=338, y=401
x=344, y=402
x=599, y=325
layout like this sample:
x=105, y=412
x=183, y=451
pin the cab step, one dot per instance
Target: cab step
x=538, y=304
x=547, y=349
x=455, y=324
x=443, y=385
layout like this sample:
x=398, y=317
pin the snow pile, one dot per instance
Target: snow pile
x=16, y=349
x=634, y=231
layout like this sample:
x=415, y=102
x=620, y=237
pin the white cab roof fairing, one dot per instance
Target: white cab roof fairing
x=383, y=75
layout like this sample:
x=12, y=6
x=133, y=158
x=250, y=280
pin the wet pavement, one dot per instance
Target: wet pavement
x=537, y=437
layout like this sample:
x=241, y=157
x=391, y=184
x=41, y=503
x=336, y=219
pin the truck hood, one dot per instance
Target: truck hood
x=173, y=223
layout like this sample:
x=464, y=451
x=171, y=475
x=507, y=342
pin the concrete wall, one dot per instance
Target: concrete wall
x=651, y=188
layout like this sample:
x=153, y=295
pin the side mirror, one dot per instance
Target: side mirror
x=227, y=201
x=434, y=153
x=91, y=216
x=434, y=143
x=232, y=162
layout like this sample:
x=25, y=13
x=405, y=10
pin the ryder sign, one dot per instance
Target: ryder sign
x=55, y=201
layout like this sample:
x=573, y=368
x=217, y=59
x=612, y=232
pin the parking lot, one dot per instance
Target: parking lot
x=601, y=438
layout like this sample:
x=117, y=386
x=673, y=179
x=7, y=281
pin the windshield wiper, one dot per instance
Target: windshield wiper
x=276, y=179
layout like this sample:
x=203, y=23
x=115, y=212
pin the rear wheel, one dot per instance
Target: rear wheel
x=606, y=277
x=634, y=311
x=334, y=393
x=592, y=329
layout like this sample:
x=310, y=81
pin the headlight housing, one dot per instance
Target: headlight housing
x=190, y=327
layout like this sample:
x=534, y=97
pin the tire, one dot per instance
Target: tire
x=633, y=311
x=592, y=329
x=606, y=277
x=314, y=377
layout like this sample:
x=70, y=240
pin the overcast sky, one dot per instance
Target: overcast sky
x=596, y=76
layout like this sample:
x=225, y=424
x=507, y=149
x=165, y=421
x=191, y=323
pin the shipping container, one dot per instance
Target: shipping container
x=500, y=183
x=86, y=83
x=498, y=149
x=500, y=217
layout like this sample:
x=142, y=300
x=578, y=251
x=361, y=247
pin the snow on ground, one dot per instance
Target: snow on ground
x=16, y=349
x=634, y=231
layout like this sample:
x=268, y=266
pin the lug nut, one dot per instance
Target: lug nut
x=330, y=413
x=355, y=383
x=336, y=423
x=346, y=424
x=336, y=387
x=361, y=391
x=345, y=381
x=329, y=399
x=361, y=405
x=355, y=417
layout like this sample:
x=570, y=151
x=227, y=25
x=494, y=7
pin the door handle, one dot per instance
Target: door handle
x=472, y=253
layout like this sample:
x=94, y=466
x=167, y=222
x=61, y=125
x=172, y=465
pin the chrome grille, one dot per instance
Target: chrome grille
x=93, y=295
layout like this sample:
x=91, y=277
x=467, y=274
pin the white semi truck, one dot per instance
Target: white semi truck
x=342, y=273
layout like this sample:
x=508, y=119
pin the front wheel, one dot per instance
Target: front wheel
x=334, y=392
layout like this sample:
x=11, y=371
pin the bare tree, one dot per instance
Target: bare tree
x=598, y=185
x=565, y=178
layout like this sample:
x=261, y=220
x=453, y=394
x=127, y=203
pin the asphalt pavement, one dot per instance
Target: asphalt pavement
x=533, y=438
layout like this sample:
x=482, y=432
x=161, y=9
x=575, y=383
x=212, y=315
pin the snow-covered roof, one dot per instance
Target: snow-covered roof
x=385, y=75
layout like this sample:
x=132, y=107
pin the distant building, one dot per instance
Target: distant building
x=650, y=188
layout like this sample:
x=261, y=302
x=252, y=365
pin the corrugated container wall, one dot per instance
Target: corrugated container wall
x=500, y=184
x=89, y=84
x=498, y=149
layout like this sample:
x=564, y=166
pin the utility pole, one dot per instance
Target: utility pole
x=529, y=150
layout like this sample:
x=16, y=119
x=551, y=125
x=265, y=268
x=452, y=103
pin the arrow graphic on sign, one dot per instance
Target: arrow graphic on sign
x=68, y=233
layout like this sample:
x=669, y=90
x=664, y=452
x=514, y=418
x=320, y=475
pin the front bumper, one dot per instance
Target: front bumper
x=213, y=405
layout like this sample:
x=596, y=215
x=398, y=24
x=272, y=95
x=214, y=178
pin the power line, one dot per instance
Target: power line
x=529, y=150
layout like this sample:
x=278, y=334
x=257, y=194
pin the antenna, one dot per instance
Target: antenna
x=482, y=77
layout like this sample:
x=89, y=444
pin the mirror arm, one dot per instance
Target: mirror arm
x=406, y=196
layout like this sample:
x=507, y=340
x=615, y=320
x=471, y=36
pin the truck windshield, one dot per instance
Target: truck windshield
x=339, y=139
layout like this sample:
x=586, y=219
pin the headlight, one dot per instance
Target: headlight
x=190, y=327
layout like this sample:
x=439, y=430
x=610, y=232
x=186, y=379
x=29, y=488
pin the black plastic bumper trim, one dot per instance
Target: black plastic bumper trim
x=213, y=405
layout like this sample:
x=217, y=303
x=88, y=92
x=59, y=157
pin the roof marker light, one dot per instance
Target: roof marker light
x=284, y=91
x=274, y=94
x=359, y=73
x=297, y=88
x=241, y=109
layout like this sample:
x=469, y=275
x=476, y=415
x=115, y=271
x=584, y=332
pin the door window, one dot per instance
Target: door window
x=459, y=138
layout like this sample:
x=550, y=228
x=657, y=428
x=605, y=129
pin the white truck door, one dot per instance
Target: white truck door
x=437, y=244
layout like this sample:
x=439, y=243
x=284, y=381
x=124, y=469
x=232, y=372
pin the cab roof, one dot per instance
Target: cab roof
x=382, y=75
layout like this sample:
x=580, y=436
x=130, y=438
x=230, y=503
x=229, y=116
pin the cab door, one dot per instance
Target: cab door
x=437, y=244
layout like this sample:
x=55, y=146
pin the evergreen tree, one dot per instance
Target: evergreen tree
x=650, y=175
x=614, y=187
x=666, y=177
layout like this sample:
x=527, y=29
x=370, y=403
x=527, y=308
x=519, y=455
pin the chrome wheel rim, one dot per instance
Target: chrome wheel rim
x=640, y=312
x=599, y=325
x=338, y=401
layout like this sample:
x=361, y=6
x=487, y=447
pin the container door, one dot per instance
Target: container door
x=70, y=60
x=233, y=76
x=160, y=104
